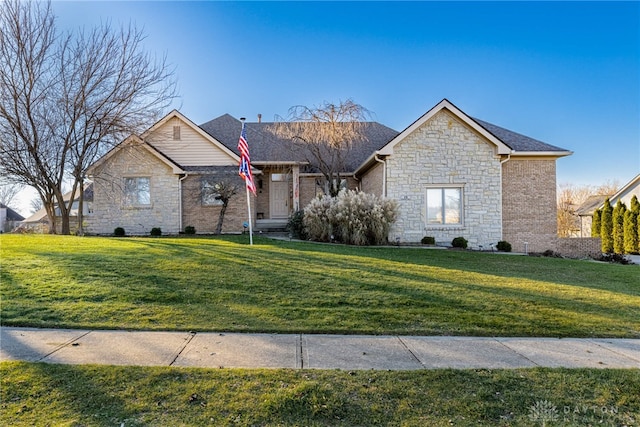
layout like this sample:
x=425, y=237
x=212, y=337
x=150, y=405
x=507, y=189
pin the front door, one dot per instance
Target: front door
x=279, y=198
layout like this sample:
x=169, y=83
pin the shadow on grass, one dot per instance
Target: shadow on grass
x=223, y=283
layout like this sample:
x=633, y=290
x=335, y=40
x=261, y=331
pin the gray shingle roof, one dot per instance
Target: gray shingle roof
x=591, y=204
x=11, y=214
x=264, y=146
x=516, y=141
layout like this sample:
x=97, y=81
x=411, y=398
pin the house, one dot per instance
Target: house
x=9, y=219
x=452, y=175
x=588, y=207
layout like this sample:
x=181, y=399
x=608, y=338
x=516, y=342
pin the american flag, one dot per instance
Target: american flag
x=245, y=161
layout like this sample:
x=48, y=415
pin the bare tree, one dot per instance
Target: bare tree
x=570, y=197
x=35, y=204
x=324, y=135
x=28, y=152
x=67, y=98
x=220, y=188
x=8, y=192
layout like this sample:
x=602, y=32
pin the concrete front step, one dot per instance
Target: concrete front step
x=271, y=225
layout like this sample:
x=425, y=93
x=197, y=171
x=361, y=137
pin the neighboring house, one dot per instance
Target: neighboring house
x=38, y=222
x=451, y=174
x=9, y=219
x=593, y=203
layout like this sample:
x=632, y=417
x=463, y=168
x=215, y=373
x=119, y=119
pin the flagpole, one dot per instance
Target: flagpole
x=250, y=222
x=246, y=185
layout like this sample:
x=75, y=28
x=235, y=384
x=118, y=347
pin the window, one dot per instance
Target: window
x=137, y=191
x=176, y=133
x=209, y=191
x=444, y=205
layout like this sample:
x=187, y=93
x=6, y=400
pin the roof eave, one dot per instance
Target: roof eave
x=540, y=153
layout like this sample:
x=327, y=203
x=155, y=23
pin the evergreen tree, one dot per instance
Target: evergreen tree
x=631, y=230
x=606, y=227
x=595, y=223
x=618, y=227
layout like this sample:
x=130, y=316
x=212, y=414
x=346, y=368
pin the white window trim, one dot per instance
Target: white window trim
x=426, y=207
x=135, y=205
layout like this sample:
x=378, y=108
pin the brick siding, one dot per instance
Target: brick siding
x=582, y=247
x=205, y=217
x=529, y=204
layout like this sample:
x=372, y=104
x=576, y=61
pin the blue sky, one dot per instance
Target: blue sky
x=566, y=73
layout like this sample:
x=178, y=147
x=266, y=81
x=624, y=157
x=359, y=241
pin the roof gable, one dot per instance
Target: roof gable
x=628, y=190
x=135, y=140
x=192, y=147
x=506, y=142
x=501, y=147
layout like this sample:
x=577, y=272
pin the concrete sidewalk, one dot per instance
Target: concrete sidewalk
x=298, y=351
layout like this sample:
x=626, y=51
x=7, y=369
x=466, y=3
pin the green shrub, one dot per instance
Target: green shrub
x=459, y=242
x=428, y=240
x=295, y=226
x=503, y=246
x=156, y=231
x=630, y=232
x=118, y=232
x=189, y=229
x=596, y=224
x=352, y=217
x=618, y=227
x=606, y=227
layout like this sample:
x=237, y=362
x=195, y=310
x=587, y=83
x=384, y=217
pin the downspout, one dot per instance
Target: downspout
x=180, y=201
x=384, y=174
x=502, y=162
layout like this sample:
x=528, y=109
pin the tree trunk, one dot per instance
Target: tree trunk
x=64, y=212
x=80, y=231
x=221, y=217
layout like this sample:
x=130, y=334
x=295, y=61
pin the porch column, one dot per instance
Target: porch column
x=295, y=170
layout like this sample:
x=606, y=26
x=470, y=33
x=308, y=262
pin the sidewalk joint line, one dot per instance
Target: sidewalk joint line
x=411, y=352
x=66, y=344
x=497, y=339
x=187, y=341
x=625, y=356
x=301, y=349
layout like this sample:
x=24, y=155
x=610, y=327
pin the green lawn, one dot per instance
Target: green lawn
x=62, y=395
x=223, y=284
x=220, y=284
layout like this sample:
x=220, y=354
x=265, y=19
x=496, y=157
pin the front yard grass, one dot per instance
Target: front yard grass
x=223, y=284
x=62, y=395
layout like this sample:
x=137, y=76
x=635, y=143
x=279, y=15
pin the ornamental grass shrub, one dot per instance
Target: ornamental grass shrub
x=352, y=217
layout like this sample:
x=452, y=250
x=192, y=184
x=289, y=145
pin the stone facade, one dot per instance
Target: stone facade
x=445, y=152
x=109, y=207
x=529, y=204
